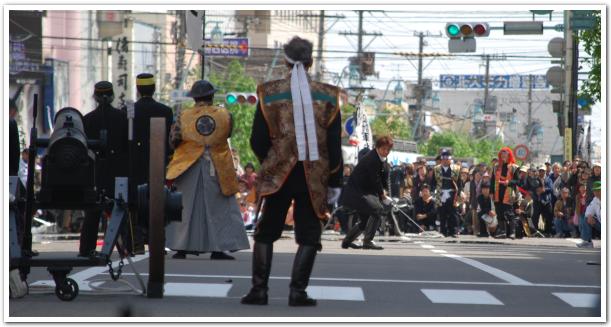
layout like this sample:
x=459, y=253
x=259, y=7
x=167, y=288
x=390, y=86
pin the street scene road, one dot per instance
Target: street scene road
x=412, y=277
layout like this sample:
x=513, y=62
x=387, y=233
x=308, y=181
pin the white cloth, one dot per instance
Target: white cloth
x=387, y=200
x=333, y=194
x=303, y=113
x=593, y=209
x=445, y=195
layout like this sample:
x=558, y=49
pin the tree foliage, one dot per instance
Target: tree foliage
x=392, y=121
x=234, y=79
x=591, y=42
x=462, y=146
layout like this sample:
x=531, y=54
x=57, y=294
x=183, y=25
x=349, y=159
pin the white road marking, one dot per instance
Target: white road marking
x=580, y=300
x=407, y=281
x=515, y=280
x=418, y=242
x=439, y=251
x=461, y=297
x=81, y=276
x=574, y=240
x=426, y=246
x=196, y=289
x=336, y=293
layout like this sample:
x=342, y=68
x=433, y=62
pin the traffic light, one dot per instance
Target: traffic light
x=241, y=98
x=462, y=35
x=467, y=30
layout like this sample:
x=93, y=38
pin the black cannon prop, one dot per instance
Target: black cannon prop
x=68, y=182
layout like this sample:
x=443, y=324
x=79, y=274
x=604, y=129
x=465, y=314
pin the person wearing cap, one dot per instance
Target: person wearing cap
x=296, y=135
x=594, y=177
x=523, y=178
x=548, y=168
x=447, y=178
x=202, y=169
x=145, y=109
x=591, y=218
x=543, y=208
x=503, y=183
x=547, y=184
x=110, y=163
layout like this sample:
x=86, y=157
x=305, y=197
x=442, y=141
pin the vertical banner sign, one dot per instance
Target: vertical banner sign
x=568, y=144
x=122, y=70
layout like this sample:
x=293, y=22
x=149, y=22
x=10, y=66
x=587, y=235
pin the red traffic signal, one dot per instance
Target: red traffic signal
x=251, y=99
x=481, y=29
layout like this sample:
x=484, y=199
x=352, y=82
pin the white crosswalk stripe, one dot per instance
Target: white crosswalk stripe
x=196, y=289
x=461, y=297
x=580, y=300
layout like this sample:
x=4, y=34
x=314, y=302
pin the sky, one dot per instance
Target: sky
x=399, y=29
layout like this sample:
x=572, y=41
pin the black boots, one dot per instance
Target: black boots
x=370, y=231
x=302, y=268
x=261, y=267
x=350, y=237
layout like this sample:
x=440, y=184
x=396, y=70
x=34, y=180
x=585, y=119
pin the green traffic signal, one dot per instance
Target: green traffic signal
x=452, y=30
x=231, y=98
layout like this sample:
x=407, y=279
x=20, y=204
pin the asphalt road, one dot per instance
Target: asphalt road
x=414, y=277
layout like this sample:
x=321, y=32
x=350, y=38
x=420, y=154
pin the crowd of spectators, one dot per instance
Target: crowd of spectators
x=551, y=199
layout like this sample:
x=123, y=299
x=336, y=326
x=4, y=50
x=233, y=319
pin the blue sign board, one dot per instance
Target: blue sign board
x=235, y=47
x=494, y=81
x=349, y=126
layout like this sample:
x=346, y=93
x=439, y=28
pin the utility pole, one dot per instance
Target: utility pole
x=360, y=36
x=530, y=101
x=486, y=82
x=420, y=48
x=568, y=86
x=181, y=34
x=416, y=134
x=204, y=40
x=321, y=36
x=360, y=46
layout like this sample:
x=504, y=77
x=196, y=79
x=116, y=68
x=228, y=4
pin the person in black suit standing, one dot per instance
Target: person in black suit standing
x=14, y=149
x=110, y=163
x=365, y=194
x=145, y=109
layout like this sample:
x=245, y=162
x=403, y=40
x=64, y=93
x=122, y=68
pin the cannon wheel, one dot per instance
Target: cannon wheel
x=68, y=290
x=156, y=208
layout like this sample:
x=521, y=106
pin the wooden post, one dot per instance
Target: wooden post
x=156, y=208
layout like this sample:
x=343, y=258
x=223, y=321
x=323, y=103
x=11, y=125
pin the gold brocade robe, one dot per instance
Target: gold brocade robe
x=215, y=123
x=277, y=107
